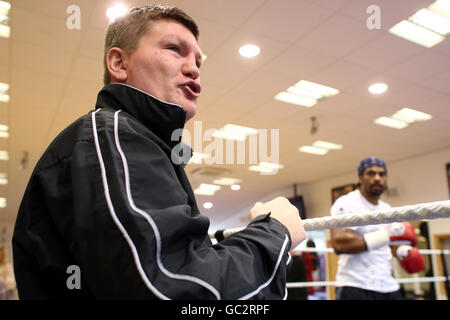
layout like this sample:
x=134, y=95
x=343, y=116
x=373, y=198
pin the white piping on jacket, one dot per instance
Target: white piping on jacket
x=114, y=216
x=265, y=284
x=152, y=222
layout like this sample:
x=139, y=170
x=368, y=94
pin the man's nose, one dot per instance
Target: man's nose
x=190, y=69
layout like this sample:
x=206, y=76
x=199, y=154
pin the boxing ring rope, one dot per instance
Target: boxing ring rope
x=399, y=280
x=422, y=211
x=335, y=284
x=330, y=250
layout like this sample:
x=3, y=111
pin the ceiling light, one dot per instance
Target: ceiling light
x=201, y=192
x=234, y=132
x=2, y=202
x=441, y=7
x=249, y=51
x=4, y=155
x=266, y=167
x=260, y=169
x=378, y=88
x=115, y=12
x=227, y=181
x=212, y=187
x=432, y=21
x=316, y=88
x=417, y=34
x=392, y=123
x=3, y=179
x=240, y=129
x=4, y=92
x=5, y=30
x=235, y=187
x=327, y=145
x=294, y=99
x=313, y=150
x=4, y=131
x=306, y=93
x=271, y=165
x=208, y=205
x=4, y=7
x=411, y=115
x=206, y=189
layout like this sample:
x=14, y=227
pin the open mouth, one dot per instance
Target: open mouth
x=193, y=88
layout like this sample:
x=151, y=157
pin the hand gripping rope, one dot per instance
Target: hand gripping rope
x=422, y=211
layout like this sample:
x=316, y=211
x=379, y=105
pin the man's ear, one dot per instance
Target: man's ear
x=116, y=63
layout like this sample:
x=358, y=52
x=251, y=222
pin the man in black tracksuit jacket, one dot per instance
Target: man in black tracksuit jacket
x=107, y=198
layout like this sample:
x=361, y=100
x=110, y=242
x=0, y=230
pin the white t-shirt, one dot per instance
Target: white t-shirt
x=370, y=270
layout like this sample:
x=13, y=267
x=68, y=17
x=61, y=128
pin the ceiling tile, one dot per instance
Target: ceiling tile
x=231, y=12
x=384, y=52
x=294, y=19
x=339, y=36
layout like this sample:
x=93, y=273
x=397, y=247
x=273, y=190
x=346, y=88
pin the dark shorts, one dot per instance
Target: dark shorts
x=352, y=293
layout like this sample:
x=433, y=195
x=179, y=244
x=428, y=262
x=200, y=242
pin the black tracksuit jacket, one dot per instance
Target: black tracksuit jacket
x=107, y=198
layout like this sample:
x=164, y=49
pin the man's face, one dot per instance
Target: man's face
x=166, y=64
x=373, y=180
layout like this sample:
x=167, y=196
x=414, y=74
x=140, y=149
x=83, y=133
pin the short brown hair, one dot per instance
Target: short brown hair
x=126, y=31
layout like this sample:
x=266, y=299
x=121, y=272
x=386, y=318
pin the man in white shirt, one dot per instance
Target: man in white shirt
x=365, y=255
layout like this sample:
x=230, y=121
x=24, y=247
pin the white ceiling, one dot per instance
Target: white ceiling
x=55, y=74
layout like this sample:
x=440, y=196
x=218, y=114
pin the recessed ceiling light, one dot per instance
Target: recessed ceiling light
x=432, y=21
x=378, y=88
x=411, y=115
x=2, y=202
x=441, y=7
x=266, y=167
x=208, y=205
x=391, y=123
x=3, y=178
x=227, y=181
x=294, y=99
x=235, y=187
x=234, y=132
x=115, y=12
x=306, y=93
x=206, y=189
x=410, y=31
x=4, y=92
x=4, y=131
x=327, y=145
x=5, y=30
x=313, y=150
x=249, y=51
x=201, y=192
x=4, y=155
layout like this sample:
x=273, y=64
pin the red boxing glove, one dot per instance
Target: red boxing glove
x=402, y=233
x=410, y=259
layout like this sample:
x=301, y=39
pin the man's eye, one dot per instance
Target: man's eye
x=174, y=48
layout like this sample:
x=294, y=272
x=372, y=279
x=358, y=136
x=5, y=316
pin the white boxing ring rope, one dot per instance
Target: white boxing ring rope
x=422, y=211
x=335, y=284
x=330, y=250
